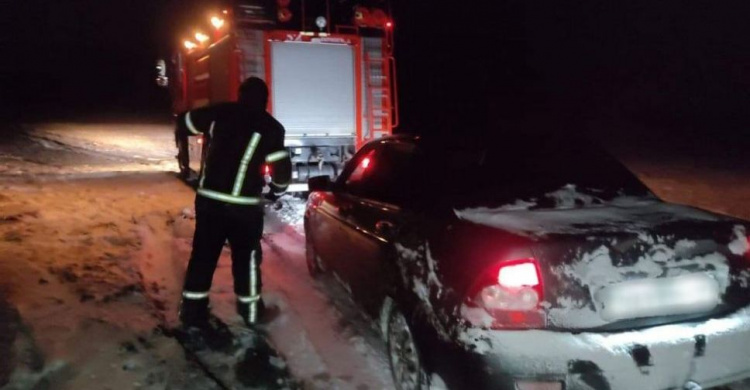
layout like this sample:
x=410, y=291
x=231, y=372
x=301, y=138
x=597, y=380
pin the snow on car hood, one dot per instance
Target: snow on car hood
x=624, y=214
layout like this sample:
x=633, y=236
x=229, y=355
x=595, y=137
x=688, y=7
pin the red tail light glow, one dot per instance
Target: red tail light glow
x=266, y=169
x=511, y=292
x=518, y=275
x=365, y=163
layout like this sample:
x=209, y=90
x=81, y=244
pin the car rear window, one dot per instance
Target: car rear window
x=501, y=173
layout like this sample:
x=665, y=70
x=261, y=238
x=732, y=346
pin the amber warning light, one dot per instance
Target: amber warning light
x=217, y=22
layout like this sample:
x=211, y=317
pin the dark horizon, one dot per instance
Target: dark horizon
x=680, y=67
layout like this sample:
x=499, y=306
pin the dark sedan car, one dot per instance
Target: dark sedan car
x=532, y=263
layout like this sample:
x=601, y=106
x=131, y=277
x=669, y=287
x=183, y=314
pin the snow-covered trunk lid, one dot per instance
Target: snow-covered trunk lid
x=666, y=273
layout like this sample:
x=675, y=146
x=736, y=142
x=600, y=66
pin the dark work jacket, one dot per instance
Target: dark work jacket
x=240, y=143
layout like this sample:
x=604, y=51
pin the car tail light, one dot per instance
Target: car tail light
x=511, y=292
x=267, y=170
x=518, y=275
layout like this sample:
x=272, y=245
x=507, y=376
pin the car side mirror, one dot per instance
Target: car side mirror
x=319, y=183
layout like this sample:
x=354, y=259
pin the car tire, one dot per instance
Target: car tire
x=311, y=258
x=407, y=368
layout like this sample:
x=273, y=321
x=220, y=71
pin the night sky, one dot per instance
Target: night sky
x=669, y=64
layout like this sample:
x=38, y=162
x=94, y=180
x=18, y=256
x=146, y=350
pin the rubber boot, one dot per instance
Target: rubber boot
x=243, y=309
x=194, y=313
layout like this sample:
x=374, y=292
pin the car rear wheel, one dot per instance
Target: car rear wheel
x=406, y=365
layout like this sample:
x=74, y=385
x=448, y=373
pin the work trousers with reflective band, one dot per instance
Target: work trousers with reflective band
x=216, y=223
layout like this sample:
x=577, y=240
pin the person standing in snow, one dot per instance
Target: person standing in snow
x=242, y=139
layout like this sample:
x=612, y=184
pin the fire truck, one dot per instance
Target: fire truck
x=329, y=66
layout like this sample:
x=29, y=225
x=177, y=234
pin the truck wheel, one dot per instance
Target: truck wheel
x=406, y=365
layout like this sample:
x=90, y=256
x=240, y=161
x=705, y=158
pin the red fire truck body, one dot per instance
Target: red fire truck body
x=333, y=88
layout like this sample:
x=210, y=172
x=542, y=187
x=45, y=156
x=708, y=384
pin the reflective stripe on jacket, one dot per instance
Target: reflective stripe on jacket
x=240, y=142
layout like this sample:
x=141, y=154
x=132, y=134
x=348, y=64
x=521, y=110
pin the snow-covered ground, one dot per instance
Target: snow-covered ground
x=148, y=141
x=71, y=257
x=93, y=268
x=92, y=260
x=84, y=149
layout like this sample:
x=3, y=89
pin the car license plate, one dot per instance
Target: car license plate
x=693, y=293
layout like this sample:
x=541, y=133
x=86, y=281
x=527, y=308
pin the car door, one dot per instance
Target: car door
x=376, y=197
x=333, y=214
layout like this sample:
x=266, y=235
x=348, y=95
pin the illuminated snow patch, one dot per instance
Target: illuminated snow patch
x=740, y=244
x=519, y=205
x=291, y=211
x=477, y=316
x=568, y=197
x=420, y=274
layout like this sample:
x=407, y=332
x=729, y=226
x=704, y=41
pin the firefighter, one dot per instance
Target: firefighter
x=242, y=138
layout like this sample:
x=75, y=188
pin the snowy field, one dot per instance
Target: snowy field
x=95, y=232
x=86, y=148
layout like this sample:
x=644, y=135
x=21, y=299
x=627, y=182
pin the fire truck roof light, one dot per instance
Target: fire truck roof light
x=201, y=37
x=217, y=22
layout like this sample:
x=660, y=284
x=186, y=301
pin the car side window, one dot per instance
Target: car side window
x=385, y=173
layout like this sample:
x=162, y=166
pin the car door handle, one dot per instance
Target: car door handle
x=385, y=227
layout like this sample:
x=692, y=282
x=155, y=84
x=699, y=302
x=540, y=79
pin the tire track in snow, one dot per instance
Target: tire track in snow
x=309, y=330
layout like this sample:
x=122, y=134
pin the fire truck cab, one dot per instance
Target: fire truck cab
x=329, y=66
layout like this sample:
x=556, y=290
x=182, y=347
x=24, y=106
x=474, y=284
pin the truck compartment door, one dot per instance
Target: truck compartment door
x=313, y=88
